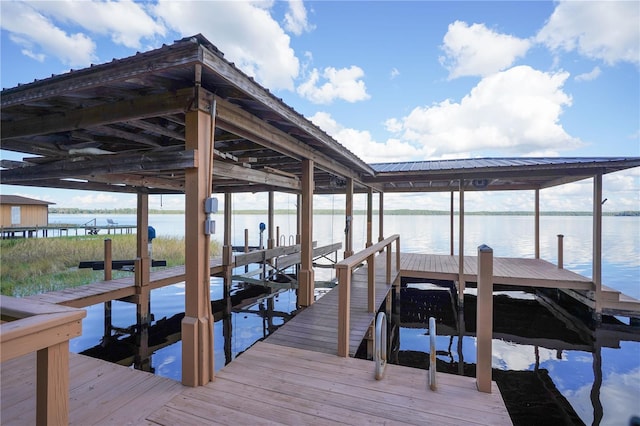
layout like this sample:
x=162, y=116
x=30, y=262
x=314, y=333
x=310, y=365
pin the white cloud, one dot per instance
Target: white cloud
x=295, y=20
x=394, y=73
x=589, y=76
x=476, y=50
x=246, y=33
x=124, y=21
x=605, y=30
x=361, y=142
x=344, y=83
x=102, y=200
x=40, y=37
x=514, y=112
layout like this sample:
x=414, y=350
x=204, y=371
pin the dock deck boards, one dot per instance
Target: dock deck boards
x=268, y=384
x=316, y=327
x=506, y=270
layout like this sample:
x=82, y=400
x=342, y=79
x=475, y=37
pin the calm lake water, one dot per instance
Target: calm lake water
x=596, y=373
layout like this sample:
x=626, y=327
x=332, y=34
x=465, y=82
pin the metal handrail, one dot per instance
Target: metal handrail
x=380, y=344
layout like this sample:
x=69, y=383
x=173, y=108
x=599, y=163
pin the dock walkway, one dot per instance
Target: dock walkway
x=104, y=291
x=316, y=327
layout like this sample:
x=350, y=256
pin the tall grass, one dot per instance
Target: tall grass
x=36, y=265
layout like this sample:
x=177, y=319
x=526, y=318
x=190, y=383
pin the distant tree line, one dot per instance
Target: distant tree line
x=73, y=210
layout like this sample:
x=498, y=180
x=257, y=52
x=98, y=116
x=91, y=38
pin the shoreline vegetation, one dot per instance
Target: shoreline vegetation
x=38, y=265
x=398, y=212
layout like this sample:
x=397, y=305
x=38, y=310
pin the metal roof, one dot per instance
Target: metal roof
x=489, y=174
x=120, y=125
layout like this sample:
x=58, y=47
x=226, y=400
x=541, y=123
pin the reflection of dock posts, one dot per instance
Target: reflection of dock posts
x=484, y=321
x=560, y=251
x=107, y=277
x=227, y=263
x=597, y=383
x=461, y=333
x=142, y=277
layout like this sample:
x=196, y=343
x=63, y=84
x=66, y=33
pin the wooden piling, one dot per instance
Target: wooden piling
x=484, y=319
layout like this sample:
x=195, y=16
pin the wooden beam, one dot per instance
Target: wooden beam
x=237, y=121
x=138, y=181
x=234, y=171
x=108, y=113
x=220, y=66
x=104, y=164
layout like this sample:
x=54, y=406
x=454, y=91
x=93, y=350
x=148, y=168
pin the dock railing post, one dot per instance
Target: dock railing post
x=484, y=319
x=343, y=273
x=560, y=251
x=371, y=272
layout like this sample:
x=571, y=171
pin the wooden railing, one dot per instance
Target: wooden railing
x=30, y=326
x=344, y=271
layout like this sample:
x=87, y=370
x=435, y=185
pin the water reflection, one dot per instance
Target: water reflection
x=243, y=315
x=550, y=366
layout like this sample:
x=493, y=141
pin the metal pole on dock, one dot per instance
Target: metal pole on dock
x=484, y=319
x=107, y=277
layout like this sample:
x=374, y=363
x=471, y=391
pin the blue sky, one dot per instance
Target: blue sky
x=392, y=81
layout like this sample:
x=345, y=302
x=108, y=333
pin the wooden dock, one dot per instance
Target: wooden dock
x=316, y=327
x=519, y=272
x=268, y=384
x=104, y=291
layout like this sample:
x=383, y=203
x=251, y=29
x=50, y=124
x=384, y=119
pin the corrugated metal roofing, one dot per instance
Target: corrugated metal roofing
x=483, y=163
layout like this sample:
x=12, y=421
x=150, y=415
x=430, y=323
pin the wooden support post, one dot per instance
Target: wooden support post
x=560, y=251
x=537, y=224
x=461, y=282
x=299, y=219
x=451, y=221
x=306, y=276
x=197, y=335
x=369, y=217
x=142, y=271
x=380, y=216
x=344, y=308
x=270, y=227
x=597, y=244
x=398, y=254
x=389, y=265
x=108, y=261
x=484, y=320
x=348, y=229
x=246, y=246
x=371, y=282
x=52, y=385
